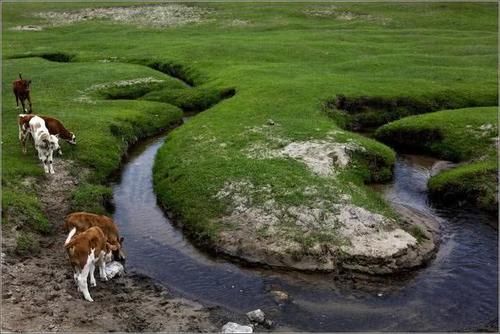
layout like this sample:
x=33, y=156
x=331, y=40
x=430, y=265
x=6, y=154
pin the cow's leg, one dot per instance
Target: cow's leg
x=24, y=139
x=51, y=160
x=82, y=279
x=45, y=165
x=42, y=159
x=29, y=101
x=22, y=103
x=102, y=267
x=92, y=277
x=17, y=101
x=76, y=274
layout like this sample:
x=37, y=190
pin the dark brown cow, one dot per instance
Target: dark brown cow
x=21, y=90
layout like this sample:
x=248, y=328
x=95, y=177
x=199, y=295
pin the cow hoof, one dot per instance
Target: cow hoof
x=93, y=284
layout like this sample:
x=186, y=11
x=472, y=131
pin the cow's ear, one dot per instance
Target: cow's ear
x=112, y=247
x=121, y=240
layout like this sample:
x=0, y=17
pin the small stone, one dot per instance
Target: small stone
x=268, y=324
x=256, y=316
x=7, y=295
x=280, y=296
x=380, y=294
x=232, y=327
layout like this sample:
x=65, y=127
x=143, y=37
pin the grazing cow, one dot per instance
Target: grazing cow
x=85, y=250
x=44, y=143
x=77, y=222
x=54, y=126
x=21, y=90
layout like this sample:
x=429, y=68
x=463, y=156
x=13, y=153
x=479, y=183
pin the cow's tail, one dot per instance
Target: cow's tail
x=20, y=77
x=70, y=235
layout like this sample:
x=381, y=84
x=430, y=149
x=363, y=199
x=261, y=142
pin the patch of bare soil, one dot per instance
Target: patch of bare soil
x=38, y=292
x=320, y=234
x=164, y=15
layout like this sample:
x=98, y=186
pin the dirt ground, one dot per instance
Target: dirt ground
x=38, y=292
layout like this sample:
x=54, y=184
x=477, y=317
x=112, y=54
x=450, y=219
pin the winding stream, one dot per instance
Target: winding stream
x=457, y=291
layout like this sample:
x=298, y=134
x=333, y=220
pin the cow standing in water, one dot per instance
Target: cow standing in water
x=21, y=90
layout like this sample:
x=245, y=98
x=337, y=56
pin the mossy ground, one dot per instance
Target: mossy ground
x=283, y=60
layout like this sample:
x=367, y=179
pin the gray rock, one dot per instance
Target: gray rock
x=232, y=327
x=113, y=269
x=257, y=316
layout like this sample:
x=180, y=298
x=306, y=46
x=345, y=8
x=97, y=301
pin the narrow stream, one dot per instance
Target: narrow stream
x=457, y=291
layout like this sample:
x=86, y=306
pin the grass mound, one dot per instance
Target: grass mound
x=60, y=57
x=365, y=112
x=467, y=135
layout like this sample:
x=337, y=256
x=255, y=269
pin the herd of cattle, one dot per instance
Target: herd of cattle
x=92, y=239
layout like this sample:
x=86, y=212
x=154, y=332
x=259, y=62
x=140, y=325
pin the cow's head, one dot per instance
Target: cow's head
x=26, y=84
x=117, y=250
x=54, y=144
x=73, y=138
x=45, y=143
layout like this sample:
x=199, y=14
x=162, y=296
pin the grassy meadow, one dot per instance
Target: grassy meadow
x=265, y=71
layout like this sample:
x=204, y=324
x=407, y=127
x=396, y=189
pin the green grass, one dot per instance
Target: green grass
x=462, y=135
x=104, y=130
x=473, y=184
x=283, y=65
x=451, y=134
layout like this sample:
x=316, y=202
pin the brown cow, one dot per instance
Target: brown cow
x=77, y=222
x=54, y=126
x=86, y=250
x=21, y=90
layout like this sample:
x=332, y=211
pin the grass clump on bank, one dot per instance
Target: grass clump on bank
x=467, y=135
x=364, y=112
x=473, y=184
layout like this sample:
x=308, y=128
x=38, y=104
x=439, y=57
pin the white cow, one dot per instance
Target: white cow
x=45, y=144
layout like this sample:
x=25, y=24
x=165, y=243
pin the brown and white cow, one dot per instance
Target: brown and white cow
x=21, y=89
x=55, y=127
x=45, y=144
x=85, y=250
x=77, y=222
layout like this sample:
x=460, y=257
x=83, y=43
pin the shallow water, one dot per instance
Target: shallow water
x=457, y=291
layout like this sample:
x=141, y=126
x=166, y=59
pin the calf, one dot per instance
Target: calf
x=77, y=222
x=54, y=126
x=21, y=89
x=85, y=250
x=44, y=143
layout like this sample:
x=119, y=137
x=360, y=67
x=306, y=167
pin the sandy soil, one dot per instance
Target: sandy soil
x=38, y=292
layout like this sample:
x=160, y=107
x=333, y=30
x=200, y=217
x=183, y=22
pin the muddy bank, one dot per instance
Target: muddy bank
x=38, y=292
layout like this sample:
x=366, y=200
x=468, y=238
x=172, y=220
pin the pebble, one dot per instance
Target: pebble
x=280, y=296
x=256, y=316
x=232, y=327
